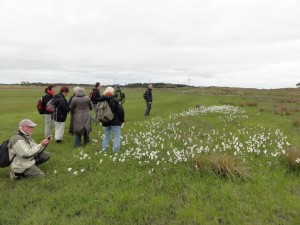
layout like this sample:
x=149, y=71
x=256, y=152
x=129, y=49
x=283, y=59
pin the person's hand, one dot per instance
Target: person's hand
x=46, y=141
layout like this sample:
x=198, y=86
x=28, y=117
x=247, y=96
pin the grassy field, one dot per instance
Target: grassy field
x=203, y=156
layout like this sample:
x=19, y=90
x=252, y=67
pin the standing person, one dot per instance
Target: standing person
x=115, y=124
x=25, y=154
x=119, y=94
x=49, y=93
x=95, y=95
x=148, y=99
x=71, y=116
x=60, y=113
x=80, y=109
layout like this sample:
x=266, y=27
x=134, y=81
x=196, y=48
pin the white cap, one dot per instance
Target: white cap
x=27, y=123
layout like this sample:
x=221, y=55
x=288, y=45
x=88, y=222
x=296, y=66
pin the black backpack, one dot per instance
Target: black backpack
x=4, y=155
x=4, y=152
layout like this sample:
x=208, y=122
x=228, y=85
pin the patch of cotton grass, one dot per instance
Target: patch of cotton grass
x=164, y=142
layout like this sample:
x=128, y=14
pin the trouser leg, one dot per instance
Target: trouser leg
x=34, y=171
x=42, y=158
x=48, y=124
x=59, y=130
x=86, y=138
x=117, y=138
x=106, y=138
x=77, y=140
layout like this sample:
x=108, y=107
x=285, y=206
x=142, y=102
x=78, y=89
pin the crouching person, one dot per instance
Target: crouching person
x=25, y=154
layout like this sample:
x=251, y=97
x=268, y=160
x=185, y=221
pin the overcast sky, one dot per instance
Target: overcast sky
x=233, y=43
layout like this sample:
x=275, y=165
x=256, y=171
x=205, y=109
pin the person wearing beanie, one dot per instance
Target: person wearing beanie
x=75, y=89
x=80, y=110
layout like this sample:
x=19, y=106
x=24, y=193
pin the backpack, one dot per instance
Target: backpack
x=39, y=105
x=50, y=107
x=120, y=96
x=123, y=97
x=145, y=95
x=91, y=95
x=104, y=113
x=4, y=155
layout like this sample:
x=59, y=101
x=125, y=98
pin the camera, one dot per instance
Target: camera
x=49, y=137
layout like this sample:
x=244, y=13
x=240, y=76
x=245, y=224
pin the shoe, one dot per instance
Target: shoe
x=13, y=176
x=57, y=141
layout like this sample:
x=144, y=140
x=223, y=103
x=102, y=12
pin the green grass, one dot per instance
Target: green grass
x=154, y=179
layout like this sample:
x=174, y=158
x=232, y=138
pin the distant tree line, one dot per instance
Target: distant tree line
x=133, y=85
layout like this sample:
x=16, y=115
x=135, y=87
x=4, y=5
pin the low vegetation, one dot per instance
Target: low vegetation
x=197, y=159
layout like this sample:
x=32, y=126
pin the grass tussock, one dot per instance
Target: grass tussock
x=283, y=110
x=296, y=123
x=227, y=103
x=250, y=104
x=292, y=158
x=222, y=165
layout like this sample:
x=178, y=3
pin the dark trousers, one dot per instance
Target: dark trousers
x=86, y=139
x=148, y=109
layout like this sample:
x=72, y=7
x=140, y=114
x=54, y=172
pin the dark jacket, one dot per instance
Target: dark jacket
x=96, y=95
x=46, y=98
x=148, y=95
x=120, y=96
x=117, y=110
x=61, y=108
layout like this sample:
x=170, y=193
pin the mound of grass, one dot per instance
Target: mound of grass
x=292, y=158
x=222, y=165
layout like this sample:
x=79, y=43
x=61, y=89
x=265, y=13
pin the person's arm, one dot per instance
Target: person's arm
x=24, y=150
x=120, y=111
x=100, y=99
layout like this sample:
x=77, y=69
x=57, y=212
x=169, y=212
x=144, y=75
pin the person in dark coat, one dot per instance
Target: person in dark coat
x=95, y=96
x=60, y=113
x=119, y=94
x=71, y=116
x=80, y=109
x=114, y=126
x=148, y=99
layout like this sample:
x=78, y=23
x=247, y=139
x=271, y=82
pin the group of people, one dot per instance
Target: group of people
x=25, y=154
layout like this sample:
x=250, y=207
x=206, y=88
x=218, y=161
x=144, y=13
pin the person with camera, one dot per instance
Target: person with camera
x=25, y=154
